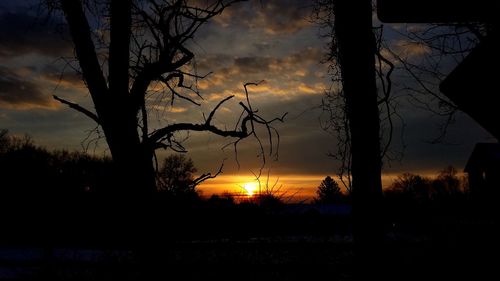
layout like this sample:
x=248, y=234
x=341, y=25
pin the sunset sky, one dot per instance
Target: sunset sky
x=270, y=41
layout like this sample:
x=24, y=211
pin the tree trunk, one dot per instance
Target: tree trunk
x=133, y=174
x=133, y=161
x=356, y=44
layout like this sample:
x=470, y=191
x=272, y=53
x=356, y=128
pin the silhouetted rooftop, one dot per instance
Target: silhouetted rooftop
x=483, y=156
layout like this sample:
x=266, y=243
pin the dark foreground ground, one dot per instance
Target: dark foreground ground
x=249, y=260
x=243, y=243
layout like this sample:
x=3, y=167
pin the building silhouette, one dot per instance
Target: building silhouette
x=483, y=169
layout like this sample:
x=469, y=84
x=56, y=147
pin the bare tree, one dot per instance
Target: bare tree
x=271, y=194
x=135, y=46
x=176, y=176
x=356, y=54
x=335, y=118
x=411, y=186
x=353, y=51
x=350, y=29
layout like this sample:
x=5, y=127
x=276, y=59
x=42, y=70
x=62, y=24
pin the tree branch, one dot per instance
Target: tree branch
x=79, y=108
x=209, y=119
x=166, y=134
x=207, y=176
x=171, y=24
x=168, y=130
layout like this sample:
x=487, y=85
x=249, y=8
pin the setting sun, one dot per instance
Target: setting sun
x=250, y=188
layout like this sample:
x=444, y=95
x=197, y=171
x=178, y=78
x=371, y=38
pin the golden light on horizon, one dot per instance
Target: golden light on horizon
x=303, y=186
x=250, y=188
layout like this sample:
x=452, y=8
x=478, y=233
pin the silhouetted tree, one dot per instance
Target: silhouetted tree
x=415, y=188
x=32, y=171
x=328, y=192
x=147, y=44
x=176, y=177
x=271, y=195
x=4, y=140
x=449, y=176
x=353, y=50
x=335, y=117
x=24, y=168
x=412, y=187
x=447, y=184
x=225, y=199
x=9, y=142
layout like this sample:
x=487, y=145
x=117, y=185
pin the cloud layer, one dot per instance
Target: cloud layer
x=23, y=34
x=275, y=17
x=269, y=41
x=20, y=93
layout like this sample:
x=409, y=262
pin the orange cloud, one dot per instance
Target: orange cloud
x=306, y=89
x=18, y=92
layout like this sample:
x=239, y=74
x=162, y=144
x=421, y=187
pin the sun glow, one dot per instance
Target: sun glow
x=250, y=188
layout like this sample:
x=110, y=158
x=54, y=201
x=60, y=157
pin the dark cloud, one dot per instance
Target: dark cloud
x=273, y=16
x=17, y=92
x=308, y=57
x=212, y=61
x=23, y=34
x=263, y=46
x=285, y=16
x=253, y=64
x=298, y=60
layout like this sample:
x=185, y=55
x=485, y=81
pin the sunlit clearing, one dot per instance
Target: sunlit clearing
x=251, y=188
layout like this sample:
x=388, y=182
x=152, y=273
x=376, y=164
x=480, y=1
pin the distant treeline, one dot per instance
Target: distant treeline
x=30, y=170
x=407, y=188
x=447, y=185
